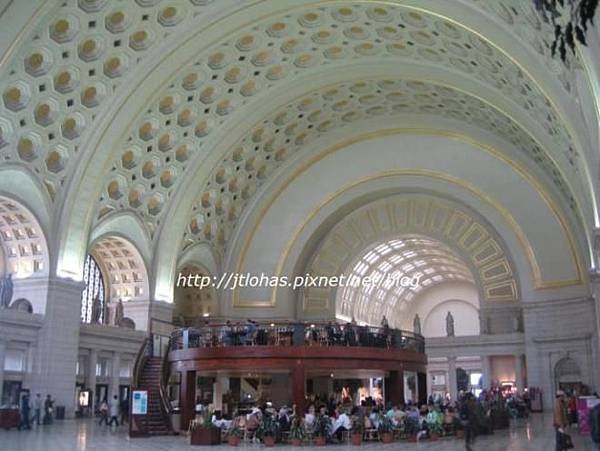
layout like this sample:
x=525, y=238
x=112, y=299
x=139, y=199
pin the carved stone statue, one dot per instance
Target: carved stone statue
x=516, y=324
x=6, y=291
x=450, y=325
x=417, y=324
x=96, y=311
x=119, y=315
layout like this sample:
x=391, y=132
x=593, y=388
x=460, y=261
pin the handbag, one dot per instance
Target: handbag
x=565, y=441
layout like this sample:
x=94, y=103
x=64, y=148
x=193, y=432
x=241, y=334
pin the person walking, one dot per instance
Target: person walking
x=37, y=409
x=114, y=411
x=560, y=420
x=468, y=419
x=103, y=413
x=594, y=419
x=25, y=413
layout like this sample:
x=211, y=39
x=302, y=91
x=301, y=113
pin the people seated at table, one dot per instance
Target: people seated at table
x=283, y=419
x=310, y=417
x=341, y=424
x=218, y=421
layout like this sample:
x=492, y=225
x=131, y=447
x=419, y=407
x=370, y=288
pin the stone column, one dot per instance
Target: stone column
x=90, y=375
x=187, y=398
x=298, y=388
x=2, y=355
x=519, y=373
x=58, y=343
x=116, y=374
x=486, y=372
x=452, y=389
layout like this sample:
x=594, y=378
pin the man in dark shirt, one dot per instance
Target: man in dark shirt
x=594, y=420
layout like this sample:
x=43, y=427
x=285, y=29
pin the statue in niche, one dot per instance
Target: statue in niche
x=417, y=325
x=516, y=324
x=6, y=291
x=449, y=325
x=119, y=315
x=96, y=311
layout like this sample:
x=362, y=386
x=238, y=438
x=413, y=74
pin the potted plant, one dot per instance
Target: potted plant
x=386, y=429
x=435, y=430
x=267, y=430
x=203, y=432
x=297, y=431
x=358, y=429
x=322, y=430
x=234, y=435
x=459, y=429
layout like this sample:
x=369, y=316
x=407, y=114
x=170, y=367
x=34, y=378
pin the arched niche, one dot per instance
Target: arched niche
x=24, y=253
x=124, y=274
x=193, y=301
x=465, y=314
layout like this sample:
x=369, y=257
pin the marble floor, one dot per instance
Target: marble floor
x=79, y=435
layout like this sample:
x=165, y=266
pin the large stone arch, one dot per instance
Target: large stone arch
x=101, y=147
x=394, y=217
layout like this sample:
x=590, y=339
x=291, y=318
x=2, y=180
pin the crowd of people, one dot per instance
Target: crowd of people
x=35, y=412
x=469, y=415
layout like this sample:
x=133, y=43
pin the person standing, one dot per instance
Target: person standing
x=25, y=413
x=37, y=410
x=48, y=405
x=114, y=411
x=595, y=425
x=560, y=418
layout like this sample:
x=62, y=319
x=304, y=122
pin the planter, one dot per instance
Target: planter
x=233, y=440
x=434, y=437
x=269, y=441
x=356, y=439
x=320, y=441
x=205, y=436
x=412, y=438
x=296, y=442
x=460, y=434
x=387, y=437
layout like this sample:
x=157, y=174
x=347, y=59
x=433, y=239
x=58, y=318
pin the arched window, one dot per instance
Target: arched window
x=94, y=287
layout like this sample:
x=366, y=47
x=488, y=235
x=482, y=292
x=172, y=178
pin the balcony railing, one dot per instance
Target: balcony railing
x=295, y=334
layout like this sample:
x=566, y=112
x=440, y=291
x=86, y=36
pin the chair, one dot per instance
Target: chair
x=371, y=434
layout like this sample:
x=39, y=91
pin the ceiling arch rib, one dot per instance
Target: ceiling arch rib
x=204, y=93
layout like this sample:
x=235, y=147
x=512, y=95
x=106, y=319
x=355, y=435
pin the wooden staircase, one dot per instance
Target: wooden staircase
x=150, y=380
x=149, y=376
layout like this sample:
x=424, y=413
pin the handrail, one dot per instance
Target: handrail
x=165, y=403
x=140, y=360
x=294, y=333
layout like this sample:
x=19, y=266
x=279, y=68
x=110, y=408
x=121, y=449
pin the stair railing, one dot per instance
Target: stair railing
x=165, y=403
x=140, y=360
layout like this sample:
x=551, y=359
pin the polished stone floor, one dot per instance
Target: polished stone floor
x=70, y=435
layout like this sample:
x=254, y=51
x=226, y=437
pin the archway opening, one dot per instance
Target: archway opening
x=23, y=256
x=114, y=271
x=193, y=303
x=390, y=277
